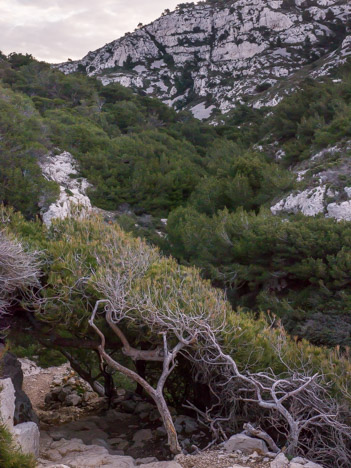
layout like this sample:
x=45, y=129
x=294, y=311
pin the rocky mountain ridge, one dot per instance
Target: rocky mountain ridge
x=211, y=55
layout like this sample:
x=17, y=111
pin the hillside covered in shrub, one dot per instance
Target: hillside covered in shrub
x=102, y=295
x=186, y=261
x=215, y=184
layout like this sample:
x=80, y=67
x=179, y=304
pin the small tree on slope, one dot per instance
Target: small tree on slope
x=159, y=311
x=173, y=303
x=19, y=273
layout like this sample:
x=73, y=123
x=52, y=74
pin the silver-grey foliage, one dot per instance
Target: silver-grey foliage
x=19, y=271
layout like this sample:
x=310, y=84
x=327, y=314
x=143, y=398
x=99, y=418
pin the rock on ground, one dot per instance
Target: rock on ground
x=11, y=368
x=7, y=403
x=245, y=444
x=26, y=435
x=280, y=462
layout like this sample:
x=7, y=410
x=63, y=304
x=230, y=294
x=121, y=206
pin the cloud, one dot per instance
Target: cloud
x=53, y=30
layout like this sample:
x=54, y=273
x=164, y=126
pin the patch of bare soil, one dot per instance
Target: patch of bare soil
x=37, y=382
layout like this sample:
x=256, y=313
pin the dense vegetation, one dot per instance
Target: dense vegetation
x=131, y=148
x=79, y=257
x=214, y=183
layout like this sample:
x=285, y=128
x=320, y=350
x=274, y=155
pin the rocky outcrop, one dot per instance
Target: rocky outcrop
x=62, y=168
x=25, y=435
x=326, y=189
x=213, y=54
x=10, y=367
x=7, y=403
x=309, y=202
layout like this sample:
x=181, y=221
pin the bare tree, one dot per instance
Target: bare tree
x=19, y=270
x=132, y=297
x=184, y=316
x=296, y=402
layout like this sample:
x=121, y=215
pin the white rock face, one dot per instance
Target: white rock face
x=312, y=202
x=228, y=50
x=201, y=112
x=60, y=168
x=339, y=211
x=327, y=191
x=309, y=202
x=27, y=436
x=29, y=367
x=7, y=403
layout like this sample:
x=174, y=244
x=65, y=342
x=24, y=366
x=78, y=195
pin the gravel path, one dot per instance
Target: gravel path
x=219, y=459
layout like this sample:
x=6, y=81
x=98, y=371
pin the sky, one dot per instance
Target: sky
x=55, y=30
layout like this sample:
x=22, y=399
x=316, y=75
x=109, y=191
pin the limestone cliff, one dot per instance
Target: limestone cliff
x=213, y=54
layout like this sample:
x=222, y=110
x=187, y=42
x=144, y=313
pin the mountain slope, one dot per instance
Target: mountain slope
x=213, y=54
x=215, y=184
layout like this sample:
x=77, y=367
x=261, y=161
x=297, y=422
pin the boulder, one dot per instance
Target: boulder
x=144, y=407
x=128, y=406
x=245, y=444
x=186, y=423
x=7, y=403
x=142, y=436
x=280, y=461
x=11, y=368
x=26, y=436
x=73, y=400
x=64, y=393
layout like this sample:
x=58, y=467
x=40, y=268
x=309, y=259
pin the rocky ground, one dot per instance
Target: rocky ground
x=78, y=430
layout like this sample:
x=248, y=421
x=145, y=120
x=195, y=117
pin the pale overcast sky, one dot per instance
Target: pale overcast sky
x=53, y=30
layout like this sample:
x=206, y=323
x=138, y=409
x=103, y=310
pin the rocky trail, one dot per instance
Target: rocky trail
x=78, y=430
